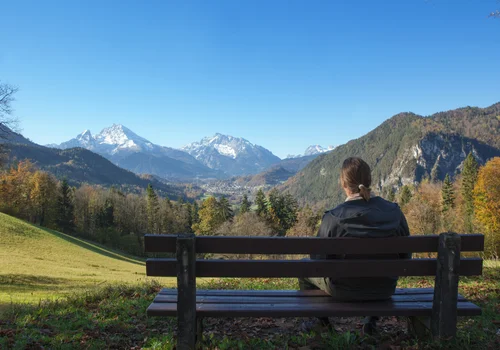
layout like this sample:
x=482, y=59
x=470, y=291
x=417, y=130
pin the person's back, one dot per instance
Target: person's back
x=360, y=216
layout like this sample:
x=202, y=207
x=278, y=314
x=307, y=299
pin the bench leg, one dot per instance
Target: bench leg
x=199, y=332
x=419, y=326
x=186, y=293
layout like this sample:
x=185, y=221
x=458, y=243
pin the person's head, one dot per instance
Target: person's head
x=355, y=177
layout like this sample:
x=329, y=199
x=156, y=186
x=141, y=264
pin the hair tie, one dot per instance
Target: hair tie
x=361, y=187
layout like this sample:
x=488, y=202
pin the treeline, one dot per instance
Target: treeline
x=469, y=203
x=107, y=216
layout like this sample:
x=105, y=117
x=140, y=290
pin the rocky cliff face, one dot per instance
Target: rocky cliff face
x=403, y=150
x=435, y=156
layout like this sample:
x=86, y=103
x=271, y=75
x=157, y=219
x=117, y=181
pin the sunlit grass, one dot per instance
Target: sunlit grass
x=38, y=263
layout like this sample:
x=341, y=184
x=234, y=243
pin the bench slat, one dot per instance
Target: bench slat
x=161, y=298
x=310, y=245
x=313, y=309
x=312, y=268
x=284, y=293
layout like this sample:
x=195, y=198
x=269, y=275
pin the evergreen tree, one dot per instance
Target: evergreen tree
x=405, y=195
x=65, y=209
x=195, y=213
x=261, y=202
x=448, y=194
x=469, y=178
x=391, y=196
x=153, y=209
x=245, y=205
x=224, y=209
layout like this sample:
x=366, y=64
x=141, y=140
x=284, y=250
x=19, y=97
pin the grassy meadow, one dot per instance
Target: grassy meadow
x=37, y=263
x=96, y=298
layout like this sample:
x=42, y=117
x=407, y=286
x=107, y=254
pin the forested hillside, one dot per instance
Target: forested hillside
x=79, y=166
x=404, y=150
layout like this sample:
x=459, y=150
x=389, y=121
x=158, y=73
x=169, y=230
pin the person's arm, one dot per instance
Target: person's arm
x=327, y=229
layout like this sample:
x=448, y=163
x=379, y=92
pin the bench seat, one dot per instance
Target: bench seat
x=289, y=303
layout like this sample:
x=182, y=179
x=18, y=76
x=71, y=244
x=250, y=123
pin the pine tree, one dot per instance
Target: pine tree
x=391, y=196
x=261, y=202
x=405, y=195
x=245, y=205
x=469, y=178
x=224, y=209
x=65, y=209
x=153, y=209
x=448, y=194
x=195, y=217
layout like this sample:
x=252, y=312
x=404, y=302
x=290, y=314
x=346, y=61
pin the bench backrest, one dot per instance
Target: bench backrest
x=186, y=246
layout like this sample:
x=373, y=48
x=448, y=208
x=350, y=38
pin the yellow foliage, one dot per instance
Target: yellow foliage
x=487, y=203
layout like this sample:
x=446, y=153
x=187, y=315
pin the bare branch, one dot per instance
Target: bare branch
x=7, y=121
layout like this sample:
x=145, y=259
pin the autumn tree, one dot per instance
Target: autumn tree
x=423, y=210
x=469, y=178
x=210, y=219
x=487, y=204
x=43, y=196
x=307, y=224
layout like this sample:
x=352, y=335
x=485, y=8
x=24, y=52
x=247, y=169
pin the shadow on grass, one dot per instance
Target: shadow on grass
x=32, y=280
x=92, y=247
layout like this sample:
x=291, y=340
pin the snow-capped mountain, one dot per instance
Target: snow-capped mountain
x=127, y=149
x=84, y=140
x=233, y=155
x=317, y=149
x=311, y=151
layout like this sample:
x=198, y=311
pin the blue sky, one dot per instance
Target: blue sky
x=282, y=74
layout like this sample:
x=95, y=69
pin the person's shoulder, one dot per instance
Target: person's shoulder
x=379, y=201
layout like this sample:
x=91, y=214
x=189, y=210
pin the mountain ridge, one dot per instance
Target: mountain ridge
x=403, y=150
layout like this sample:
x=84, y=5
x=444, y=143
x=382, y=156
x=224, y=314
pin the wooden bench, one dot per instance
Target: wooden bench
x=438, y=306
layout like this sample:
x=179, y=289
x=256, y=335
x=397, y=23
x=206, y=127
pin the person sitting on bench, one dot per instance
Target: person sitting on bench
x=361, y=215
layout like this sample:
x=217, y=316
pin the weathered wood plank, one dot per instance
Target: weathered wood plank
x=310, y=245
x=309, y=310
x=235, y=299
x=444, y=310
x=311, y=268
x=287, y=293
x=186, y=294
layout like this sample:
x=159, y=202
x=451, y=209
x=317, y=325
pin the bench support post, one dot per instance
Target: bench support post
x=186, y=292
x=444, y=306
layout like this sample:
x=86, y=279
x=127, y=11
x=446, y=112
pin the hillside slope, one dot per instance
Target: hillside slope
x=40, y=263
x=402, y=150
x=79, y=166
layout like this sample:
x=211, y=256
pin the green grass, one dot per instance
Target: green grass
x=37, y=263
x=98, y=300
x=115, y=317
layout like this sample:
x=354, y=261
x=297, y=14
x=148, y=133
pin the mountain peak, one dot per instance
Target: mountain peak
x=234, y=155
x=317, y=149
x=119, y=135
